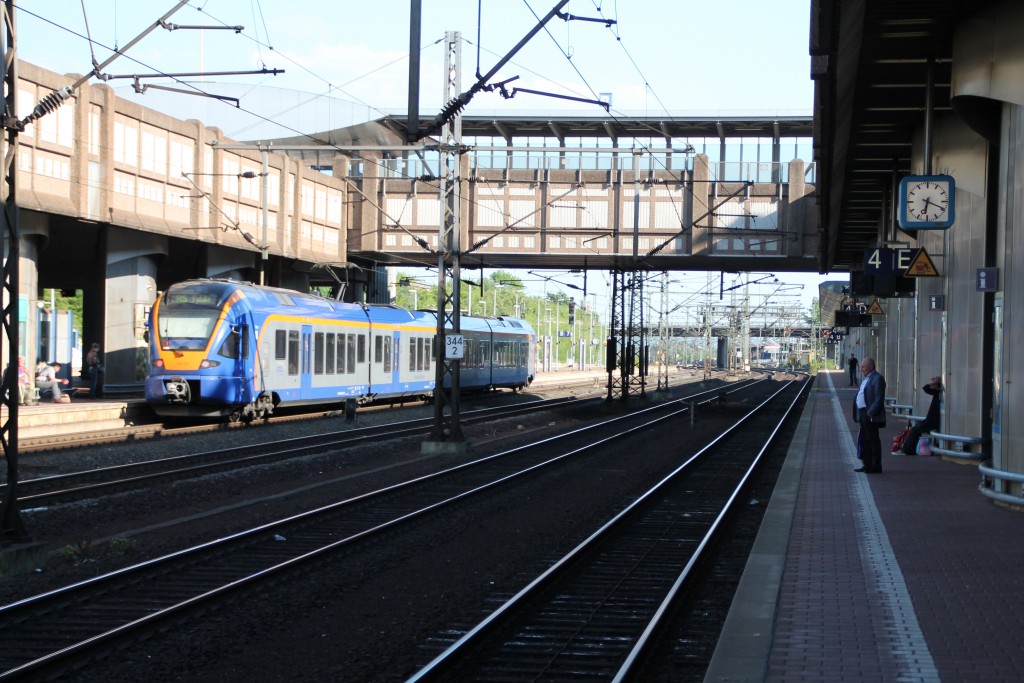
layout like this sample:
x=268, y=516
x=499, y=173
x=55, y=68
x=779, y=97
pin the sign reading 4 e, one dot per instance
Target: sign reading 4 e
x=886, y=261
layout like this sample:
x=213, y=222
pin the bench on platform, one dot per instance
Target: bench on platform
x=959, y=447
x=900, y=410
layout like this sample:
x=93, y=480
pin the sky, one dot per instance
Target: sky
x=346, y=61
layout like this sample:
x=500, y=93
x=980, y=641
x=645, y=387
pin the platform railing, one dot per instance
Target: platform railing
x=959, y=447
x=899, y=409
x=989, y=477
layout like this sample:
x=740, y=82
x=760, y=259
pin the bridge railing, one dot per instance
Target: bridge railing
x=724, y=171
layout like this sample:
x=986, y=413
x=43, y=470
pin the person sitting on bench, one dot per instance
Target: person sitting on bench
x=931, y=421
x=46, y=380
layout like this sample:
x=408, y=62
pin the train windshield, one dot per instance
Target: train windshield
x=188, y=316
x=186, y=330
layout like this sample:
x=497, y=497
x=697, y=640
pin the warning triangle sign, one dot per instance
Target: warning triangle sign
x=921, y=265
x=875, y=308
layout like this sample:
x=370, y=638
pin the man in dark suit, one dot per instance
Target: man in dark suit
x=869, y=408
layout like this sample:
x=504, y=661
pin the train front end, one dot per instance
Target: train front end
x=198, y=345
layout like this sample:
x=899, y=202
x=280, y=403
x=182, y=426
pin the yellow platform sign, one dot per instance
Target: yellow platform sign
x=921, y=265
x=875, y=308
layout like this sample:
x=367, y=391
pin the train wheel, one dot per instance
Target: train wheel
x=236, y=416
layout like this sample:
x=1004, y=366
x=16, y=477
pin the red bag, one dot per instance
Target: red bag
x=897, y=441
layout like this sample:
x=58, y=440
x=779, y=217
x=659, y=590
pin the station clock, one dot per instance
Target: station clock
x=927, y=202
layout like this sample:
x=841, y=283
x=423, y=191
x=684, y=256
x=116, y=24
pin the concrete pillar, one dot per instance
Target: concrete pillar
x=129, y=291
x=34, y=234
x=699, y=217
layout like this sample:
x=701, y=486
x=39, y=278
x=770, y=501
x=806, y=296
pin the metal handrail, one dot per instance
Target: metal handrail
x=961, y=441
x=990, y=474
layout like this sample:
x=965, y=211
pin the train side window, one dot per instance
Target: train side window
x=361, y=348
x=387, y=354
x=412, y=354
x=329, y=354
x=420, y=346
x=293, y=352
x=280, y=344
x=340, y=355
x=318, y=353
x=229, y=347
x=243, y=333
x=378, y=349
x=351, y=353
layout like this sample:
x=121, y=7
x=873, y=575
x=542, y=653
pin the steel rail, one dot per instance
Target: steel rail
x=169, y=567
x=444, y=662
x=79, y=485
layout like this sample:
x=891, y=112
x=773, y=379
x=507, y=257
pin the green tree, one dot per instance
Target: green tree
x=67, y=303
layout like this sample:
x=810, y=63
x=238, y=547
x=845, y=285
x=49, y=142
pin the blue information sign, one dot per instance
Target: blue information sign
x=988, y=279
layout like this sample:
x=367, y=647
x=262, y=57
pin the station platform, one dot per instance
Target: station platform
x=47, y=419
x=906, y=575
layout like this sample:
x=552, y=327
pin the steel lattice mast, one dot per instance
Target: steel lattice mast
x=11, y=525
x=447, y=427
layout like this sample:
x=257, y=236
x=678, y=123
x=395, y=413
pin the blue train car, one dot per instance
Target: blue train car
x=220, y=348
x=499, y=353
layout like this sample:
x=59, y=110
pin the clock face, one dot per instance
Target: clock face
x=927, y=202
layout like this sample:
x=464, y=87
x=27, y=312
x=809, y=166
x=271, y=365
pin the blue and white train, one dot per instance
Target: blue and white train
x=221, y=348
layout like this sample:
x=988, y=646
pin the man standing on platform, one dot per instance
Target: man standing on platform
x=869, y=408
x=853, y=369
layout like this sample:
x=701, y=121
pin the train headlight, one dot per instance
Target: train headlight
x=207, y=363
x=158, y=363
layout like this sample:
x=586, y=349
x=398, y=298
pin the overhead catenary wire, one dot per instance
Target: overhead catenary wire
x=314, y=138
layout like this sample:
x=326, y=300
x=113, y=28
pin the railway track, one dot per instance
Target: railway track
x=594, y=614
x=59, y=627
x=89, y=483
x=151, y=427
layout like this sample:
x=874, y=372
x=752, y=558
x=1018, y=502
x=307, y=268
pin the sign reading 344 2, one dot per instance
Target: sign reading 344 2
x=454, y=347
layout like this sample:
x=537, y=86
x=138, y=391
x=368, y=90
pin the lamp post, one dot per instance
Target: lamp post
x=548, y=344
x=557, y=339
x=590, y=339
x=264, y=211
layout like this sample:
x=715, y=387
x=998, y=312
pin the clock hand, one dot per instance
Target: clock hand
x=927, y=203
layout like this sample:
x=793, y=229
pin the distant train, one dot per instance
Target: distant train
x=221, y=348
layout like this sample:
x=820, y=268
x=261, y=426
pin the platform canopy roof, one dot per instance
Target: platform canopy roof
x=869, y=59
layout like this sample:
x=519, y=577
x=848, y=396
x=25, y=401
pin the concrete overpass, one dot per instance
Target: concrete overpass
x=120, y=201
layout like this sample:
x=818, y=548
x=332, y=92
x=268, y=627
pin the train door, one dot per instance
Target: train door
x=306, y=366
x=382, y=362
x=396, y=349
